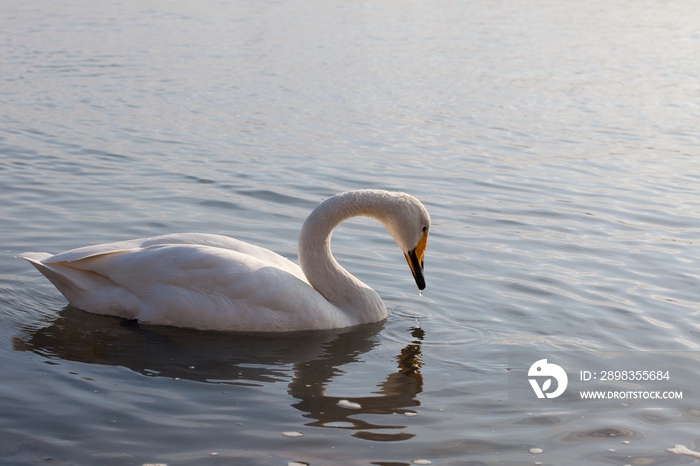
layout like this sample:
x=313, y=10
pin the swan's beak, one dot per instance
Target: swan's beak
x=415, y=261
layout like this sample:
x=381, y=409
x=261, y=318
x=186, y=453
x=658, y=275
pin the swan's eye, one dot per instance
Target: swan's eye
x=425, y=228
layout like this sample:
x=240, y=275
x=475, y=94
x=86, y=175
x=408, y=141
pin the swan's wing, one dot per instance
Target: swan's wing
x=199, y=281
x=207, y=288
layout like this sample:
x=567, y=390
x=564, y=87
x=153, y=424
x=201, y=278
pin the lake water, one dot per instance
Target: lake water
x=555, y=144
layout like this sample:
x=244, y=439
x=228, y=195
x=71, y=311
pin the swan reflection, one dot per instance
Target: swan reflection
x=244, y=359
x=395, y=394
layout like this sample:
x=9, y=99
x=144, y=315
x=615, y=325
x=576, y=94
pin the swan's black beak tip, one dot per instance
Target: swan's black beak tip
x=416, y=267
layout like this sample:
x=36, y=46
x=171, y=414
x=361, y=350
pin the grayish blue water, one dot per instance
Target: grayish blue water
x=555, y=144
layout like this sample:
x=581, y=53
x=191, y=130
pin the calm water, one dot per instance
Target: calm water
x=555, y=144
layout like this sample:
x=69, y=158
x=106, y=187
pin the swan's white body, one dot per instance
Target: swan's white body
x=213, y=282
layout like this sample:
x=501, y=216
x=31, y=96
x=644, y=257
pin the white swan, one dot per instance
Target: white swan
x=213, y=282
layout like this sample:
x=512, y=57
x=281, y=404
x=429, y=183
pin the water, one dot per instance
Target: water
x=555, y=145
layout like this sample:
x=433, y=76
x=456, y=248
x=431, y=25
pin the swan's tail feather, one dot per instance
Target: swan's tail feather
x=85, y=289
x=33, y=257
x=61, y=280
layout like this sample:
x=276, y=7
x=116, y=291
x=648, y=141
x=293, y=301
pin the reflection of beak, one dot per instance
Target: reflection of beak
x=415, y=261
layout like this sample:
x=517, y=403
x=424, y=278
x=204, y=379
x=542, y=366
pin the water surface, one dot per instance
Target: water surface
x=555, y=145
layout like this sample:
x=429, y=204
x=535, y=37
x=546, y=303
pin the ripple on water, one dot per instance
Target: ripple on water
x=562, y=184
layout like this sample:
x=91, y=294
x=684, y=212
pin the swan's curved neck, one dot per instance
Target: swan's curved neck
x=337, y=285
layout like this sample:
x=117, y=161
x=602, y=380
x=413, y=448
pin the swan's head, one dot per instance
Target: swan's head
x=408, y=223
